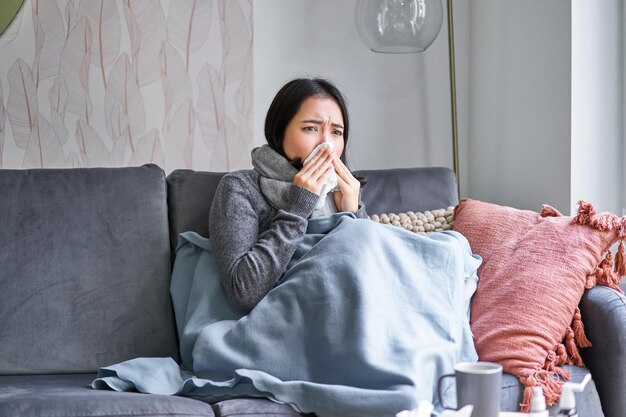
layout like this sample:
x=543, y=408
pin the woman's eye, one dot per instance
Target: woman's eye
x=337, y=132
x=310, y=128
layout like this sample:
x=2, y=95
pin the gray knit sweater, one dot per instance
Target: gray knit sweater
x=254, y=241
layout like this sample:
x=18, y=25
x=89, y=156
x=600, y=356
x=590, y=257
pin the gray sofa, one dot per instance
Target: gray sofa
x=85, y=262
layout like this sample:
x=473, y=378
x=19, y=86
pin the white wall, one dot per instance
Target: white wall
x=519, y=90
x=547, y=104
x=513, y=92
x=598, y=104
x=399, y=104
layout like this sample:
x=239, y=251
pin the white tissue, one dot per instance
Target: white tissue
x=425, y=408
x=331, y=182
x=463, y=412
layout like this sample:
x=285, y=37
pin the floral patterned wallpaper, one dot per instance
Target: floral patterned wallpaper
x=88, y=83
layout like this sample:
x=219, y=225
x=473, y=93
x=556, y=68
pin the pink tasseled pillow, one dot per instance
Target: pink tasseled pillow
x=535, y=268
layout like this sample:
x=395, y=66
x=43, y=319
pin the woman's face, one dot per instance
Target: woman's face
x=318, y=120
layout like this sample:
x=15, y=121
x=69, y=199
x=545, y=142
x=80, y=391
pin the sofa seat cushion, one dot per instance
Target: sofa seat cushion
x=70, y=395
x=587, y=402
x=254, y=407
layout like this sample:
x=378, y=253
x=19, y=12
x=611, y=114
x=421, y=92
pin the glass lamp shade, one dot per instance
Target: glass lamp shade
x=398, y=26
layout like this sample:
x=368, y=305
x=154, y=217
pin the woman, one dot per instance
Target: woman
x=338, y=315
x=259, y=217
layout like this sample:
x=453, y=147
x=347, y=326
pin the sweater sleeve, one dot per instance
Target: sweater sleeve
x=361, y=213
x=251, y=264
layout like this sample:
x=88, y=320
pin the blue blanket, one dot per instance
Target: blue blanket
x=363, y=322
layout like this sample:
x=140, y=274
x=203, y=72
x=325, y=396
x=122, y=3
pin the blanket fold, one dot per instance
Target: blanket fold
x=363, y=322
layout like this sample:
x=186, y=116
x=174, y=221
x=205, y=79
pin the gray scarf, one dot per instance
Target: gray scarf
x=277, y=174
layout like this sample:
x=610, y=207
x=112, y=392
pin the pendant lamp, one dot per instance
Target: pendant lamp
x=398, y=26
x=409, y=26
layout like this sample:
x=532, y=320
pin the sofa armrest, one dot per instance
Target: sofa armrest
x=603, y=312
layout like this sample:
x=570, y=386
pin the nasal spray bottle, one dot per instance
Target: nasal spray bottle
x=538, y=404
x=567, y=404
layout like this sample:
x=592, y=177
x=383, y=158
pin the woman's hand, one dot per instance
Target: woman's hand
x=314, y=174
x=347, y=198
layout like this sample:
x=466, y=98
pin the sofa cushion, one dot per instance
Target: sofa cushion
x=587, y=402
x=535, y=269
x=254, y=407
x=71, y=396
x=85, y=269
x=190, y=194
x=403, y=189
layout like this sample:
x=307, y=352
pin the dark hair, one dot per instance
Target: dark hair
x=287, y=102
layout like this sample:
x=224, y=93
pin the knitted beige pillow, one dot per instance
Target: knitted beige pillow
x=419, y=222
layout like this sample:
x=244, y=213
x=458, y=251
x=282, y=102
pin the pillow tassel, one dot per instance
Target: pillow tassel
x=621, y=229
x=591, y=281
x=561, y=372
x=561, y=354
x=574, y=357
x=606, y=276
x=530, y=382
x=579, y=330
x=549, y=211
x=620, y=260
x=616, y=281
x=551, y=387
x=605, y=221
x=585, y=212
x=553, y=361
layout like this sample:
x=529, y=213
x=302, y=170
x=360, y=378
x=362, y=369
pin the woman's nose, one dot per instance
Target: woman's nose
x=325, y=136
